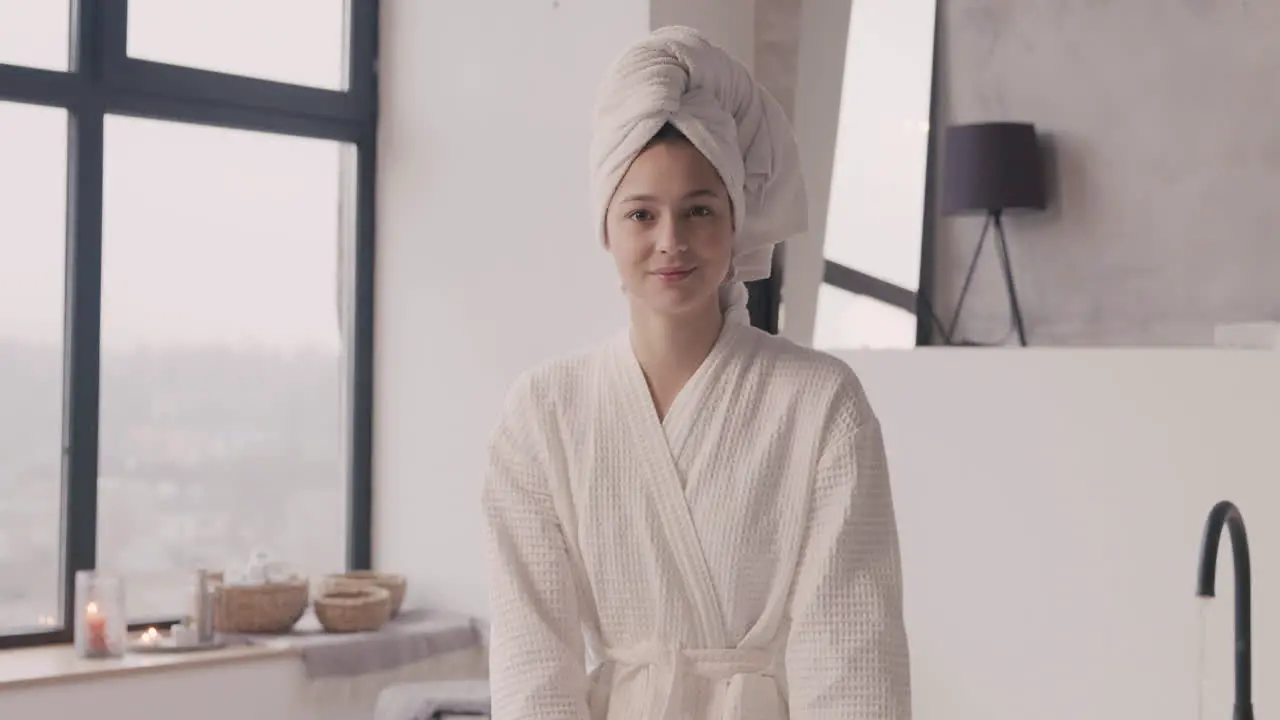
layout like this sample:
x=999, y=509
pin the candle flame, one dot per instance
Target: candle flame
x=91, y=608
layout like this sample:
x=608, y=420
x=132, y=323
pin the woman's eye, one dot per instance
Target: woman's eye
x=700, y=211
x=640, y=215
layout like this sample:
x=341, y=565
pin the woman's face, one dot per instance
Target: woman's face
x=670, y=229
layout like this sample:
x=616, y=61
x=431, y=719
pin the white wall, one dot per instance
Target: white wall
x=486, y=259
x=1051, y=504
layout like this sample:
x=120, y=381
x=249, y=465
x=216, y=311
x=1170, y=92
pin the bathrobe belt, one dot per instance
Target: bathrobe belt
x=671, y=667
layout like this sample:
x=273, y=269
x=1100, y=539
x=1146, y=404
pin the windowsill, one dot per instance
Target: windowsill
x=28, y=667
x=430, y=634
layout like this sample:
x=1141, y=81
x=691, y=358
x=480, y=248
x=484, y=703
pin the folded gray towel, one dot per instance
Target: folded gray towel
x=413, y=636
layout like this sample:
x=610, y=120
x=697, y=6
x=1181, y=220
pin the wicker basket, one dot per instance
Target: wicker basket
x=273, y=608
x=353, y=608
x=391, y=582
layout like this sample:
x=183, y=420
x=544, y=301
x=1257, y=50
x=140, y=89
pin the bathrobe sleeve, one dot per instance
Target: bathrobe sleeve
x=537, y=662
x=847, y=654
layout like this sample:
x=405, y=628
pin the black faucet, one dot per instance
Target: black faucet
x=1226, y=513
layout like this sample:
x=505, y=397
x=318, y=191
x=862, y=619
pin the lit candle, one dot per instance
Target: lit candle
x=149, y=637
x=95, y=625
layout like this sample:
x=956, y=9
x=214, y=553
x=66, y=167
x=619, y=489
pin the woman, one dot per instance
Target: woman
x=693, y=520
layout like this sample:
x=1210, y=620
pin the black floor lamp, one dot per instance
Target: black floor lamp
x=991, y=168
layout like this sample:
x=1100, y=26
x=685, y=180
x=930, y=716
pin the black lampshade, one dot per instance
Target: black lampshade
x=992, y=167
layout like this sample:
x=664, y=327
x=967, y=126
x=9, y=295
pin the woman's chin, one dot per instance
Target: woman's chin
x=679, y=301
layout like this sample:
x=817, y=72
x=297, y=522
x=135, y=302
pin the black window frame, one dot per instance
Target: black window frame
x=102, y=80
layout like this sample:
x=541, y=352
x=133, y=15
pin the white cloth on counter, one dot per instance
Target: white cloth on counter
x=410, y=637
x=260, y=569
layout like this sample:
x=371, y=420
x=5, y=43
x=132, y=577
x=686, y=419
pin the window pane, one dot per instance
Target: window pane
x=33, y=192
x=295, y=41
x=876, y=214
x=222, y=426
x=848, y=321
x=35, y=33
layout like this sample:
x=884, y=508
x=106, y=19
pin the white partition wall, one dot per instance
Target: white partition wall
x=1051, y=504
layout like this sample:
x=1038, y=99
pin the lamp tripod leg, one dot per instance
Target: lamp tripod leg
x=1003, y=250
x=968, y=279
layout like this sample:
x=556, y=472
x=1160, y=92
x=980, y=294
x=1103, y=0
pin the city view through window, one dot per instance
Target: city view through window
x=223, y=416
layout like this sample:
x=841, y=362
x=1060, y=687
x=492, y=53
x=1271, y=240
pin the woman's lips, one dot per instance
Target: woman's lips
x=674, y=275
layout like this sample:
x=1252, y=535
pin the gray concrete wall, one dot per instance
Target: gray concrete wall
x=1164, y=120
x=777, y=49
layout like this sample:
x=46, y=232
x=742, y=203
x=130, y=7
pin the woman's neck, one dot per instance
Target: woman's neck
x=671, y=348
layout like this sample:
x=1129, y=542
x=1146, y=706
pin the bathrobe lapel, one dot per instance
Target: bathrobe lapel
x=660, y=445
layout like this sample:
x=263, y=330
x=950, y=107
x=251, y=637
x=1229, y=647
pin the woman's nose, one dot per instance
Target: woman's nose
x=671, y=237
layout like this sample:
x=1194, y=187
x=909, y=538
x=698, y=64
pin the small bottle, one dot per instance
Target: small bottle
x=202, y=613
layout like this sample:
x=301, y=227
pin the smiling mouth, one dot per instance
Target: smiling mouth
x=674, y=275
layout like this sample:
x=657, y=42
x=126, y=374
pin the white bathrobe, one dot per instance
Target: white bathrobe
x=737, y=560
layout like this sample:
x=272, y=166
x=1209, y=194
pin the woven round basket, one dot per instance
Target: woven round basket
x=273, y=608
x=353, y=608
x=391, y=582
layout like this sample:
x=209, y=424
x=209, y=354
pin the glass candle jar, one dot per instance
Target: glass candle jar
x=100, y=623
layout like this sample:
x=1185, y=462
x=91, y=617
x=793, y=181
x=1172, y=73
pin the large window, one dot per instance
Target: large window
x=186, y=264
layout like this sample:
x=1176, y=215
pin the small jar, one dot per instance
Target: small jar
x=184, y=635
x=100, y=624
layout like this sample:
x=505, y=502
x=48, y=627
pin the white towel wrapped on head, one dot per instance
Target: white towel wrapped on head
x=677, y=76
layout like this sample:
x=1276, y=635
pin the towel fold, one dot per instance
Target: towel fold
x=677, y=76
